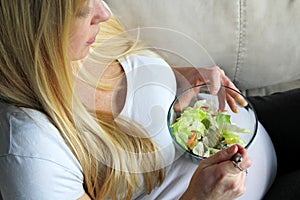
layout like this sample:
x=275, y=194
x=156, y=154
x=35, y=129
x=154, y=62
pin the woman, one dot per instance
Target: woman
x=52, y=146
x=151, y=87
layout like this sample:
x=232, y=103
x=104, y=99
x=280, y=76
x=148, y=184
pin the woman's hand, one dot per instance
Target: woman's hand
x=217, y=178
x=215, y=76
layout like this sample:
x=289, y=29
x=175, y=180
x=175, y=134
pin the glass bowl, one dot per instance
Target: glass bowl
x=201, y=121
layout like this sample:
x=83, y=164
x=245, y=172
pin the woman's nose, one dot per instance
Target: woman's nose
x=101, y=14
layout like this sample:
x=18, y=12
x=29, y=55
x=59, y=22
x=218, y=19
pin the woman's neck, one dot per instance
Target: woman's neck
x=110, y=96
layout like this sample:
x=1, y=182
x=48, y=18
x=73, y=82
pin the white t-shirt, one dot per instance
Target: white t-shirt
x=35, y=162
x=40, y=165
x=151, y=89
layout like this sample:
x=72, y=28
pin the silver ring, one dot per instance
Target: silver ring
x=237, y=165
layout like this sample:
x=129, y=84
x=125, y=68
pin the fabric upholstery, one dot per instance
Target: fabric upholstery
x=256, y=42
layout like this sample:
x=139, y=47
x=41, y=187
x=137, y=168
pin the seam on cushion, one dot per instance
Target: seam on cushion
x=241, y=40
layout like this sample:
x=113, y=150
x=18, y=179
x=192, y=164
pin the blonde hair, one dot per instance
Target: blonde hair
x=114, y=42
x=36, y=72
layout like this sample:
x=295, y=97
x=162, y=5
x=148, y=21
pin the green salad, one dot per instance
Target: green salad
x=203, y=130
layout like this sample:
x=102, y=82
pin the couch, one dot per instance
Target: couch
x=255, y=42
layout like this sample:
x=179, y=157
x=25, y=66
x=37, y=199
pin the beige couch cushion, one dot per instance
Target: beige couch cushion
x=256, y=42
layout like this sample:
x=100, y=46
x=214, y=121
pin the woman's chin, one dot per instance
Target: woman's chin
x=75, y=56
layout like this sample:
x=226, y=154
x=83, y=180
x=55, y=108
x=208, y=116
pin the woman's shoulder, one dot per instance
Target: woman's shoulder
x=147, y=67
x=29, y=133
x=142, y=58
x=35, y=161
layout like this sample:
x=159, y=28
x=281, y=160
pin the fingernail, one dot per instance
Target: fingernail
x=222, y=110
x=235, y=110
x=231, y=149
x=241, y=100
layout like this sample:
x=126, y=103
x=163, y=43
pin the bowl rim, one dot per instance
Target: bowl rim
x=249, y=106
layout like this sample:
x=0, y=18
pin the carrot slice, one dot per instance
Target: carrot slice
x=192, y=139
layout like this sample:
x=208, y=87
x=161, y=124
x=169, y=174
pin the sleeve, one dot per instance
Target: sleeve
x=24, y=178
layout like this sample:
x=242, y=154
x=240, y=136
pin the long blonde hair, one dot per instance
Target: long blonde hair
x=36, y=72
